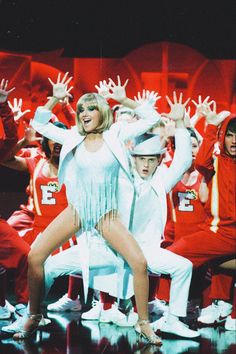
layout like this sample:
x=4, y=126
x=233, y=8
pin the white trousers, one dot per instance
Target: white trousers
x=162, y=261
x=103, y=267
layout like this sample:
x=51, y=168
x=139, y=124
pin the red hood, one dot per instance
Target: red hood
x=222, y=132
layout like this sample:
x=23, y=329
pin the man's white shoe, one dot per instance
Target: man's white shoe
x=128, y=320
x=230, y=323
x=65, y=304
x=157, y=306
x=20, y=310
x=225, y=308
x=179, y=328
x=157, y=325
x=112, y=315
x=17, y=325
x=5, y=314
x=94, y=313
x=11, y=308
x=215, y=313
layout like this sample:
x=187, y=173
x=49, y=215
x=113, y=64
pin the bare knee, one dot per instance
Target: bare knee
x=139, y=265
x=35, y=259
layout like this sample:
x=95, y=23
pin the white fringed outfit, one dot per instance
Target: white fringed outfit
x=103, y=184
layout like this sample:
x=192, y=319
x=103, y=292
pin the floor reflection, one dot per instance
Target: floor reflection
x=68, y=334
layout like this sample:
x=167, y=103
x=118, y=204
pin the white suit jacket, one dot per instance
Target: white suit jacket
x=163, y=180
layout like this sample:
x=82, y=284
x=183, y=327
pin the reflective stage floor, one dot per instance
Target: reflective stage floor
x=67, y=334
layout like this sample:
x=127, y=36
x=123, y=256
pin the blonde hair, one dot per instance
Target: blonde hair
x=103, y=108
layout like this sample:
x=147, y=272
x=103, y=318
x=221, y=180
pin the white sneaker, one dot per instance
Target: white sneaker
x=157, y=325
x=94, y=313
x=157, y=306
x=215, y=313
x=225, y=308
x=65, y=304
x=230, y=324
x=179, y=328
x=20, y=310
x=112, y=315
x=128, y=320
x=17, y=325
x=4, y=312
x=11, y=308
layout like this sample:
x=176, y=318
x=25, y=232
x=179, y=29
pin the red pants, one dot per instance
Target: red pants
x=204, y=246
x=14, y=255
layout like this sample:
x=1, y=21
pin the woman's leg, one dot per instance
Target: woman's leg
x=124, y=243
x=59, y=231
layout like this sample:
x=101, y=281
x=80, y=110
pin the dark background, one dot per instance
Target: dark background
x=113, y=28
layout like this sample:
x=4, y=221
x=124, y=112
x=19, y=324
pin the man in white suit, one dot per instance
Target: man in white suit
x=153, y=181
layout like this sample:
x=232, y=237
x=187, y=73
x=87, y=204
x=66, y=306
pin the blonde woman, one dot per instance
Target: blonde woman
x=95, y=168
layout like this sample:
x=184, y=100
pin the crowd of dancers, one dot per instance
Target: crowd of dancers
x=131, y=200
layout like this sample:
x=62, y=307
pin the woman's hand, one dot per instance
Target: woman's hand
x=117, y=91
x=4, y=93
x=103, y=89
x=59, y=89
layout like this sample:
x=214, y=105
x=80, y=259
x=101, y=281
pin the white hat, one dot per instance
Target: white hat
x=148, y=144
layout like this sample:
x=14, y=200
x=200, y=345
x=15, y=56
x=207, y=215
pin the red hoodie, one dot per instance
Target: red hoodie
x=219, y=172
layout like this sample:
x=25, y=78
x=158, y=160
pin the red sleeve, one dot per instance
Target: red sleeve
x=204, y=159
x=10, y=130
x=69, y=114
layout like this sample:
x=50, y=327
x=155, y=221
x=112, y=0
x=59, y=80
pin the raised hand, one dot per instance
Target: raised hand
x=103, y=89
x=30, y=135
x=177, y=108
x=4, y=93
x=117, y=91
x=59, y=88
x=211, y=116
x=187, y=121
x=16, y=109
x=200, y=105
x=147, y=96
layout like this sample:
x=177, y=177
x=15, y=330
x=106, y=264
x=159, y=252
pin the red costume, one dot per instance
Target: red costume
x=13, y=250
x=48, y=201
x=188, y=211
x=218, y=235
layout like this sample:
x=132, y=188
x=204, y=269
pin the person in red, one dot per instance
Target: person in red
x=186, y=206
x=217, y=237
x=48, y=202
x=29, y=146
x=188, y=197
x=13, y=250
